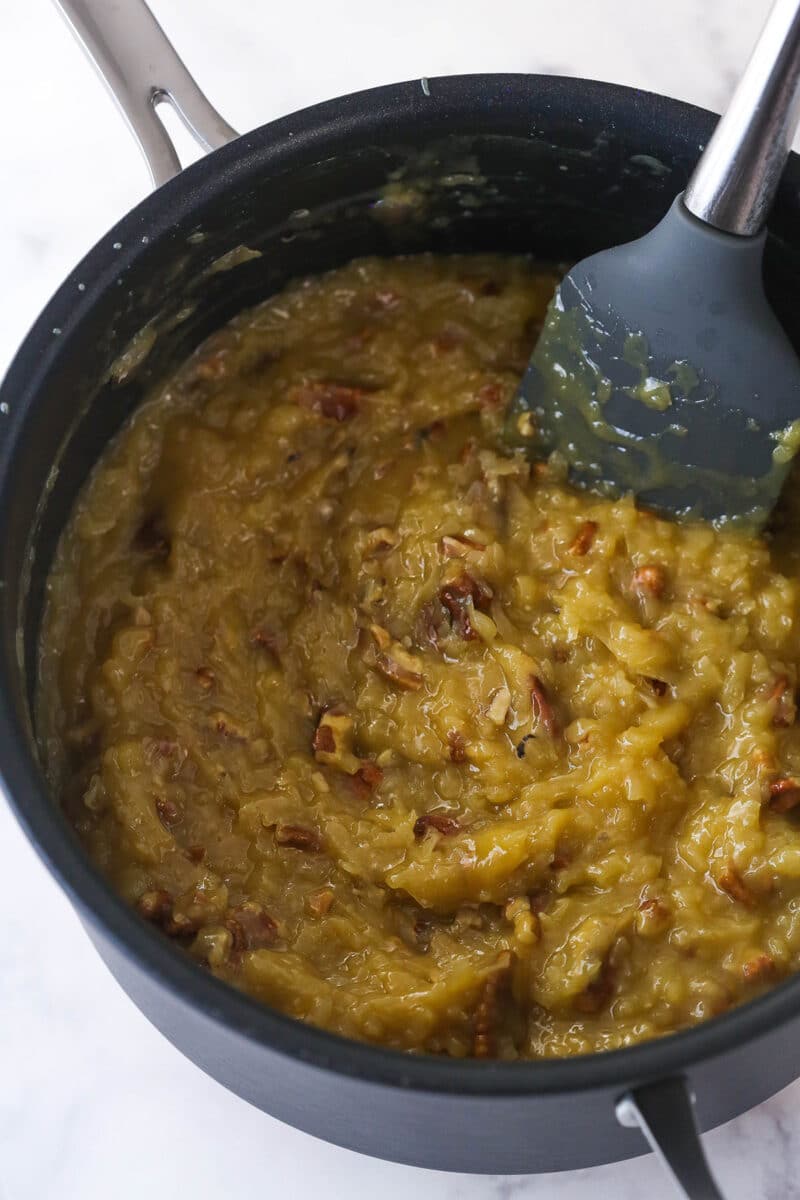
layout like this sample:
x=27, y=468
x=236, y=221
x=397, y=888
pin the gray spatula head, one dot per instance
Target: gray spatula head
x=662, y=370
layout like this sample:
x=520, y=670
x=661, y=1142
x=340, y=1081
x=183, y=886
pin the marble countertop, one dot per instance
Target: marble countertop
x=93, y=1101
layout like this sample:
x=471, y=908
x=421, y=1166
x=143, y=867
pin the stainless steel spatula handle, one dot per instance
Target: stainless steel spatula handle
x=735, y=181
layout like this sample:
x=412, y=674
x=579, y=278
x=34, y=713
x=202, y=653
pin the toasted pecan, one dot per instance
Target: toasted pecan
x=335, y=401
x=251, y=927
x=155, y=905
x=168, y=812
x=366, y=779
x=759, y=969
x=205, y=678
x=458, y=545
x=784, y=795
x=459, y=596
x=582, y=542
x=649, y=580
x=731, y=882
x=781, y=695
x=486, y=1015
x=439, y=821
x=400, y=667
x=299, y=838
x=543, y=712
x=457, y=745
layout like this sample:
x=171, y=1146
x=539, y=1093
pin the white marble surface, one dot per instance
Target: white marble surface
x=93, y=1102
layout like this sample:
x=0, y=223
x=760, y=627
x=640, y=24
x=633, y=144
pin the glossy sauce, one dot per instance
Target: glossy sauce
x=400, y=734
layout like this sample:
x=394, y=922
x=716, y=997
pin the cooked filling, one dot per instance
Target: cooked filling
x=400, y=734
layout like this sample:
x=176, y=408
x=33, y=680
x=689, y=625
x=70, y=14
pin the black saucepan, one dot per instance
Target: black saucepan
x=559, y=167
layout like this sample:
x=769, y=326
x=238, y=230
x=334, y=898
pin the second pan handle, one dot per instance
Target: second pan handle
x=141, y=70
x=664, y=1112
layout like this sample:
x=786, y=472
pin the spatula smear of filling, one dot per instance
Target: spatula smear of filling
x=399, y=733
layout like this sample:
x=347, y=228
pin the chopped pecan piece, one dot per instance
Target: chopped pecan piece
x=499, y=705
x=336, y=401
x=251, y=927
x=195, y=854
x=759, y=969
x=581, y=543
x=166, y=755
x=380, y=541
x=731, y=882
x=784, y=795
x=762, y=760
x=158, y=906
x=168, y=812
x=381, y=636
x=597, y=994
x=155, y=905
x=324, y=741
x=459, y=597
x=453, y=546
x=205, y=678
x=457, y=744
x=321, y=902
x=163, y=748
x=540, y=900
x=484, y=1045
x=333, y=741
x=366, y=779
x=781, y=695
x=298, y=838
x=401, y=668
x=649, y=580
x=225, y=725
x=543, y=713
x=443, y=824
x=432, y=624
x=395, y=662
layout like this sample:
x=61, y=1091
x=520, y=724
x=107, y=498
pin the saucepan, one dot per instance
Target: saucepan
x=552, y=166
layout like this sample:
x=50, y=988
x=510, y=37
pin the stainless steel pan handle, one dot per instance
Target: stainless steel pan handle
x=141, y=69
